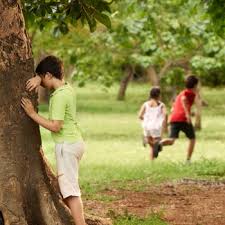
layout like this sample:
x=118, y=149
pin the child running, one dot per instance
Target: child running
x=62, y=122
x=153, y=114
x=180, y=118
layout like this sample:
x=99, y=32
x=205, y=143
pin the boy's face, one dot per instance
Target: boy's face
x=46, y=81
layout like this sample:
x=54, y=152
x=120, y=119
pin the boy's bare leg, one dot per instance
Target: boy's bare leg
x=190, y=150
x=76, y=207
x=167, y=141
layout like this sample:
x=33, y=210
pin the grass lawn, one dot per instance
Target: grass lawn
x=125, y=220
x=115, y=154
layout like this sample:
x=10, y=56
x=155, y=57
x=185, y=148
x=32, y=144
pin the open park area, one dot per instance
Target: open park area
x=112, y=112
x=119, y=180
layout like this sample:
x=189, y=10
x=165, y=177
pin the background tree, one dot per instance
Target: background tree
x=215, y=10
x=162, y=40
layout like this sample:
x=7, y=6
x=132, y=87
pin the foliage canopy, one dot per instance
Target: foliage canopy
x=143, y=33
x=65, y=12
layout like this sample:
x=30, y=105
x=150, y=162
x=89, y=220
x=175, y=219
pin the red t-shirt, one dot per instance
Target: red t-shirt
x=178, y=113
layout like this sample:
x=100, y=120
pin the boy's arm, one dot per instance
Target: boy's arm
x=141, y=112
x=185, y=106
x=33, y=83
x=52, y=125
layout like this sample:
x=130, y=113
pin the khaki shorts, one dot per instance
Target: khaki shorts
x=68, y=156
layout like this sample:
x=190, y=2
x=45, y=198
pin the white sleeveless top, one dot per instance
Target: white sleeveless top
x=153, y=117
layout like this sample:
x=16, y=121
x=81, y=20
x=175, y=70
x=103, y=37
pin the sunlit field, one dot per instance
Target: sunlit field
x=115, y=155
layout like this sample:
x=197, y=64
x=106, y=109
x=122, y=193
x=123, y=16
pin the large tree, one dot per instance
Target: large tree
x=29, y=193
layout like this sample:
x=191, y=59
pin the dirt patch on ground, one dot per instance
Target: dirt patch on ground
x=187, y=202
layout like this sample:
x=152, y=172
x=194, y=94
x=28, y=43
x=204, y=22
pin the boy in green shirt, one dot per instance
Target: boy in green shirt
x=69, y=145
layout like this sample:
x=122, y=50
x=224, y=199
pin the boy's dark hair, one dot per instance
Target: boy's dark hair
x=52, y=65
x=155, y=93
x=191, y=81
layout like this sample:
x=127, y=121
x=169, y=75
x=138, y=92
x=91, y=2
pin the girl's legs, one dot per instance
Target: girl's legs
x=76, y=207
x=151, y=143
x=144, y=140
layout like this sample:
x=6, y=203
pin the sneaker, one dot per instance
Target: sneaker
x=160, y=147
x=156, y=149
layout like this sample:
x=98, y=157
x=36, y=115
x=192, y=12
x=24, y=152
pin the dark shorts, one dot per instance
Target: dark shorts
x=187, y=128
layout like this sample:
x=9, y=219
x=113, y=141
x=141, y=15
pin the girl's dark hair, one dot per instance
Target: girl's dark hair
x=155, y=93
x=191, y=81
x=50, y=64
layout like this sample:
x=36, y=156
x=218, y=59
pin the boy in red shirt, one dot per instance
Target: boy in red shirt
x=180, y=118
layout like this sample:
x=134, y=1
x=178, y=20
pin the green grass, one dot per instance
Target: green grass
x=132, y=220
x=115, y=157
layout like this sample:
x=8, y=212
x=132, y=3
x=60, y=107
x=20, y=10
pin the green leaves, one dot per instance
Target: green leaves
x=40, y=13
x=61, y=28
x=143, y=33
x=103, y=18
x=216, y=12
x=93, y=14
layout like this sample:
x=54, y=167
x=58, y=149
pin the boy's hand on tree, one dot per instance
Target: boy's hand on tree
x=27, y=106
x=33, y=83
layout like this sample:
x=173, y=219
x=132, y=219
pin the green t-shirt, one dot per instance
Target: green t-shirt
x=62, y=106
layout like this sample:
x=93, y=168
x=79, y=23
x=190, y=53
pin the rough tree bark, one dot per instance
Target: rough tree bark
x=152, y=76
x=128, y=75
x=28, y=194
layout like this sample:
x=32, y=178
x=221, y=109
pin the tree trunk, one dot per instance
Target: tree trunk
x=166, y=67
x=28, y=194
x=128, y=75
x=152, y=76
